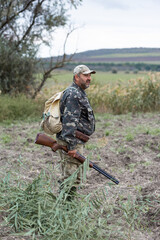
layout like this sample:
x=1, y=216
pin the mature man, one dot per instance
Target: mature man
x=76, y=114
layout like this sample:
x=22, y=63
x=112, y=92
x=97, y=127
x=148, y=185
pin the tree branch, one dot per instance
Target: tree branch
x=9, y=19
x=58, y=64
x=31, y=24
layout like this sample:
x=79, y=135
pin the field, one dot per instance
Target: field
x=101, y=78
x=127, y=146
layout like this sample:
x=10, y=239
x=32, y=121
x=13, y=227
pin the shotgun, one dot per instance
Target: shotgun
x=47, y=141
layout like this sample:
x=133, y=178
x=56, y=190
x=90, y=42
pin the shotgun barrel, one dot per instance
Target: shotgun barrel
x=98, y=169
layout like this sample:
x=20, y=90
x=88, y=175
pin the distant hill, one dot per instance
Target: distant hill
x=145, y=55
x=119, y=59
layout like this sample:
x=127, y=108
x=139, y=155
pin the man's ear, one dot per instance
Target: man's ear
x=76, y=77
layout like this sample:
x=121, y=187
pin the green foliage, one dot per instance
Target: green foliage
x=132, y=209
x=5, y=138
x=16, y=68
x=24, y=26
x=107, y=133
x=90, y=146
x=114, y=70
x=31, y=21
x=129, y=136
x=34, y=210
x=19, y=108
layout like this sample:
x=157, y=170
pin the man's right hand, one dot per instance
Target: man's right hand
x=72, y=153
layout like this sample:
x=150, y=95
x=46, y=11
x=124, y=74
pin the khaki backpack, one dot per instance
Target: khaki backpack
x=51, y=122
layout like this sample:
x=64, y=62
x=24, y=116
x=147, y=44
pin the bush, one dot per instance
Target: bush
x=19, y=108
x=114, y=70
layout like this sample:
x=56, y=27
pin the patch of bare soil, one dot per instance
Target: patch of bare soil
x=130, y=152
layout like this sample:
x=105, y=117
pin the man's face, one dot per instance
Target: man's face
x=83, y=80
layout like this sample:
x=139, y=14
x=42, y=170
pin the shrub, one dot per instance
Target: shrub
x=114, y=70
x=19, y=108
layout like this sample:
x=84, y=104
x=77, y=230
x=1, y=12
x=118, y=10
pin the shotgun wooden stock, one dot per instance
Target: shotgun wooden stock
x=82, y=136
x=47, y=141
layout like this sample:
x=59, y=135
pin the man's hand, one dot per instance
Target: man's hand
x=72, y=153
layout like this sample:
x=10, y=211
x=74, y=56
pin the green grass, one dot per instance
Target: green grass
x=60, y=77
x=19, y=108
x=154, y=131
x=129, y=137
x=102, y=78
x=33, y=210
x=66, y=77
x=5, y=138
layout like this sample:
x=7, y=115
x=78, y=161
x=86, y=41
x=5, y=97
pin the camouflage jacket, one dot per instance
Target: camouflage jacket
x=76, y=114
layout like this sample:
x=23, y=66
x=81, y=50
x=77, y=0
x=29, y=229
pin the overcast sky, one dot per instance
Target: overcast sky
x=110, y=24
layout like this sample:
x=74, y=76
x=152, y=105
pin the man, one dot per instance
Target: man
x=76, y=114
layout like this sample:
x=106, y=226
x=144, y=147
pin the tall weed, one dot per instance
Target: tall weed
x=19, y=108
x=32, y=209
x=138, y=95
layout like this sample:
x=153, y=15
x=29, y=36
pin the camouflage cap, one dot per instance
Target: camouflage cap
x=82, y=69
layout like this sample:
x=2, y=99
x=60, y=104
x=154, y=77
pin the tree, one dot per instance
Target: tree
x=16, y=69
x=31, y=20
x=24, y=25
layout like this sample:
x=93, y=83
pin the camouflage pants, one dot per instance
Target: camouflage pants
x=69, y=164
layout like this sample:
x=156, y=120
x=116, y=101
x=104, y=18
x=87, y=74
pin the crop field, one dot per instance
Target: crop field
x=125, y=144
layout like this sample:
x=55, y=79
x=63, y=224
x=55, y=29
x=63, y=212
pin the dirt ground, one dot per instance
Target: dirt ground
x=126, y=146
